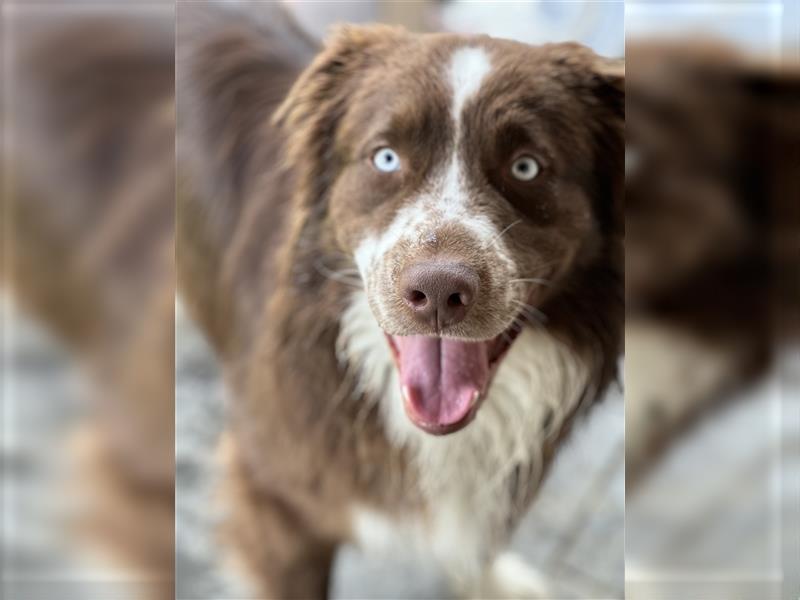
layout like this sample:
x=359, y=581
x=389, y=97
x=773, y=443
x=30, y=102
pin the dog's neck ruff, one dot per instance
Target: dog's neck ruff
x=538, y=385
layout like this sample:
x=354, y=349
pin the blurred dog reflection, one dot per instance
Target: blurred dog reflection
x=711, y=232
x=88, y=240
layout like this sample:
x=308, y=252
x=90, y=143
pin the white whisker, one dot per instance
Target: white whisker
x=499, y=235
x=531, y=312
x=538, y=280
x=346, y=276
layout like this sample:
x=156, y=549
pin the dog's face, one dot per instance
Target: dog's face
x=465, y=179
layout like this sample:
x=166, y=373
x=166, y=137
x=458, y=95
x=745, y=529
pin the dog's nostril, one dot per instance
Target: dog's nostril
x=439, y=294
x=455, y=300
x=417, y=298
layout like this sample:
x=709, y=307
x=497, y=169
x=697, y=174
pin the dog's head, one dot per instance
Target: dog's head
x=466, y=177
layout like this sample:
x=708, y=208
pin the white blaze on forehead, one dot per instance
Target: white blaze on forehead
x=446, y=198
x=467, y=70
x=468, y=67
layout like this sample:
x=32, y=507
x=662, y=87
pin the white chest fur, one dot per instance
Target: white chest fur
x=463, y=477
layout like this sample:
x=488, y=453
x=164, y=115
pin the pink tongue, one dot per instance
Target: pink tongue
x=441, y=376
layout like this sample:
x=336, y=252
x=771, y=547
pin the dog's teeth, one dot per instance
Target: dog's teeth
x=406, y=393
x=475, y=397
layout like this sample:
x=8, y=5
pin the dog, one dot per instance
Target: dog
x=406, y=250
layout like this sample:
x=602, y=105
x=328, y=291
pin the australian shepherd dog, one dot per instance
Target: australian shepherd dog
x=406, y=250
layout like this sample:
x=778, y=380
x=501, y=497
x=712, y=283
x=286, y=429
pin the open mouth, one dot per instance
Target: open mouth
x=444, y=380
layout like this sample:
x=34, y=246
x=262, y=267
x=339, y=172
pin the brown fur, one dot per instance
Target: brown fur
x=258, y=208
x=250, y=253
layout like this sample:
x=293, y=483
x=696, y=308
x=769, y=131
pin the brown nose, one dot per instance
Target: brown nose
x=439, y=293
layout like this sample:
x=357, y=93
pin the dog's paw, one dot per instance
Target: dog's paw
x=510, y=578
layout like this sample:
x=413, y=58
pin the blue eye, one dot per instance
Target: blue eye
x=386, y=160
x=525, y=168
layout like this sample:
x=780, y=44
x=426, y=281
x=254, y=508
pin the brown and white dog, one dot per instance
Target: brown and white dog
x=408, y=255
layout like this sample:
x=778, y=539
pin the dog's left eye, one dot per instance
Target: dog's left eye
x=525, y=168
x=386, y=160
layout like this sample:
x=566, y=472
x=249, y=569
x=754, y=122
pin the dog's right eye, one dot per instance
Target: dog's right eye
x=386, y=160
x=525, y=168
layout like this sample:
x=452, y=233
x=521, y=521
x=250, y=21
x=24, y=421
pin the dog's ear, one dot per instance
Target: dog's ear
x=235, y=64
x=310, y=114
x=607, y=87
x=613, y=69
x=609, y=83
x=599, y=84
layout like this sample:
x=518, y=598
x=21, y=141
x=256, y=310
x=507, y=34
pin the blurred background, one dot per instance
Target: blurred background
x=87, y=287
x=712, y=374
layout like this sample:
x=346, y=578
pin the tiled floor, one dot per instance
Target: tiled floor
x=720, y=518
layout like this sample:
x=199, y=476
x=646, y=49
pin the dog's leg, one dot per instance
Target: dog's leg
x=473, y=555
x=506, y=576
x=509, y=577
x=271, y=541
